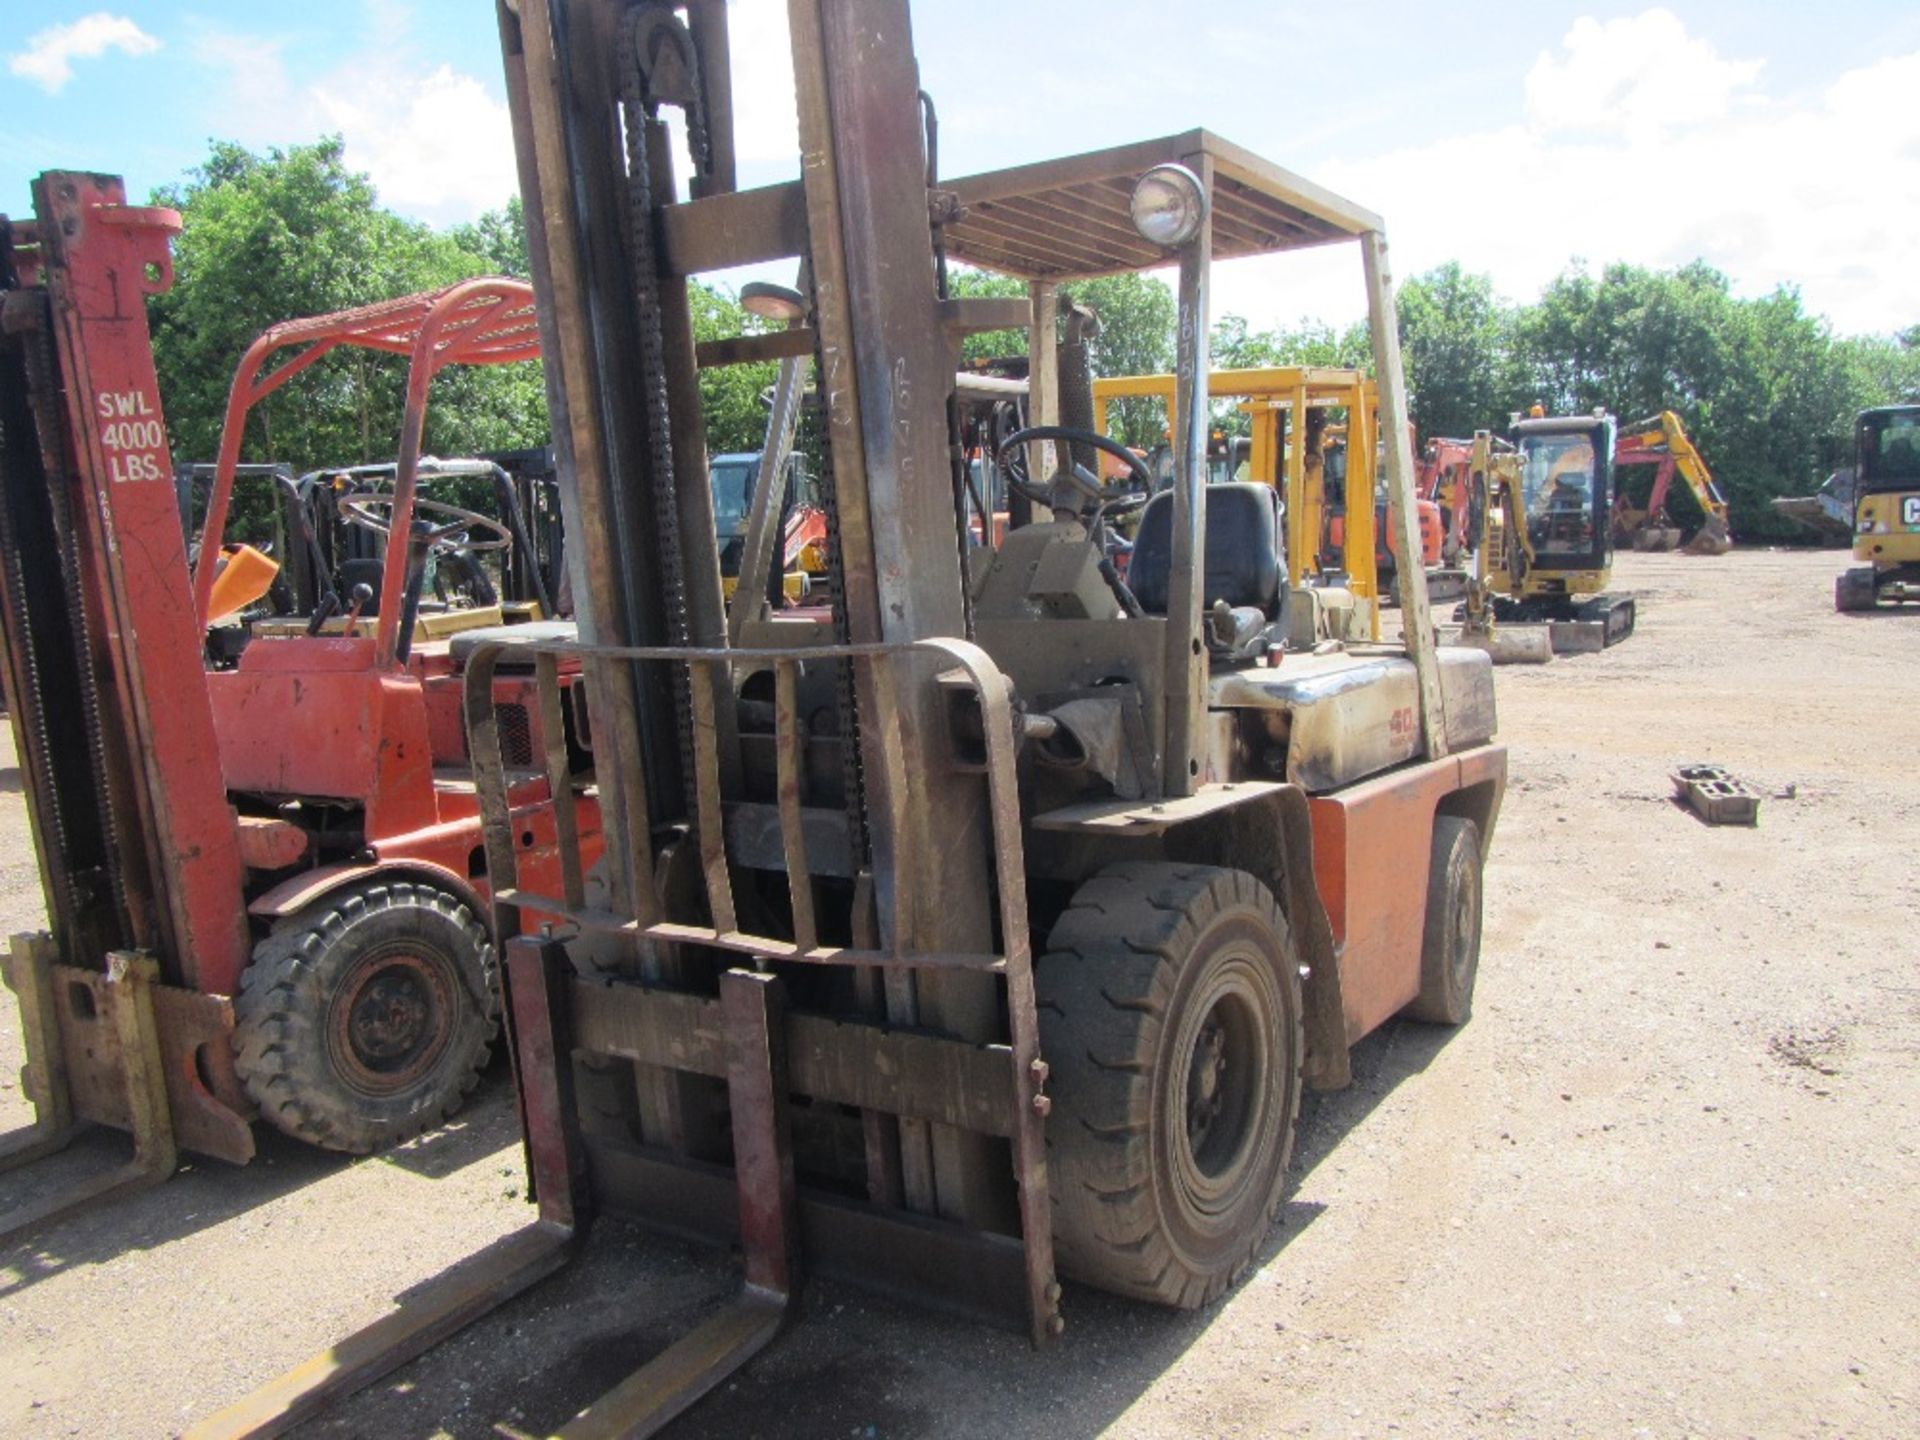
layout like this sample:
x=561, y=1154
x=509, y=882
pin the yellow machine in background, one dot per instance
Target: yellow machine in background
x=1663, y=441
x=1540, y=506
x=1886, y=510
x=1345, y=606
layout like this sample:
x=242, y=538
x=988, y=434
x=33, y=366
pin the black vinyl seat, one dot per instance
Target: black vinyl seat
x=1242, y=551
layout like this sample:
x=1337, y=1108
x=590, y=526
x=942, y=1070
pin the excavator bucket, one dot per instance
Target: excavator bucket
x=1656, y=538
x=1711, y=538
x=1512, y=644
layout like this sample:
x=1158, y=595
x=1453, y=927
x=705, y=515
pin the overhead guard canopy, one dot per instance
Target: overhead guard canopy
x=1068, y=219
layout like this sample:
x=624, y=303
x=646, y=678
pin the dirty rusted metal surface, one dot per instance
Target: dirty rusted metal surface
x=987, y=1090
x=110, y=1068
x=1068, y=219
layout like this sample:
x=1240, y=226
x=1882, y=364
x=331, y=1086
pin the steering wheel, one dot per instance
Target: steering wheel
x=358, y=507
x=1100, y=494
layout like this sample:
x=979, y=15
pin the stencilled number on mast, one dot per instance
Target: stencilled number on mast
x=133, y=434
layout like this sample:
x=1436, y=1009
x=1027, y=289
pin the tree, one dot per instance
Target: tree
x=499, y=238
x=1455, y=337
x=294, y=233
x=1137, y=317
x=730, y=394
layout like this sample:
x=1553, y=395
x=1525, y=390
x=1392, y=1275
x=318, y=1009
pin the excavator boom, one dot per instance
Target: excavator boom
x=1662, y=440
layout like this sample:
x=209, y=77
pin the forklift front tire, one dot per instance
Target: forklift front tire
x=1450, y=950
x=365, y=1019
x=1170, y=1015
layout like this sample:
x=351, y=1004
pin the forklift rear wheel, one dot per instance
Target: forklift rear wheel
x=365, y=1019
x=1450, y=952
x=1170, y=1016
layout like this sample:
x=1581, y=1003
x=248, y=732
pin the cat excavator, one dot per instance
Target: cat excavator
x=1540, y=500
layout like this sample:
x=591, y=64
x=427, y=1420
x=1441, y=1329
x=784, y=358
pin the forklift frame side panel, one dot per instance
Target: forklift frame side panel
x=1371, y=857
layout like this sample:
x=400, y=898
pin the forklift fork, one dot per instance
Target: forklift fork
x=539, y=979
x=63, y=1009
x=555, y=1011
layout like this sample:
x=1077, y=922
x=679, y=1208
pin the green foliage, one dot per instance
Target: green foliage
x=1454, y=335
x=730, y=394
x=1234, y=346
x=1137, y=316
x=296, y=233
x=1758, y=383
x=499, y=238
x=1763, y=387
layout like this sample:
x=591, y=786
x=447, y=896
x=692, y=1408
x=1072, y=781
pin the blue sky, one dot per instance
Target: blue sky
x=1779, y=141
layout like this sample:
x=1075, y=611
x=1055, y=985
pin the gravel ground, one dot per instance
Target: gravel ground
x=1665, y=1183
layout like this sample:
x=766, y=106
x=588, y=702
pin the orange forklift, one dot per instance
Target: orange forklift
x=262, y=859
x=983, y=931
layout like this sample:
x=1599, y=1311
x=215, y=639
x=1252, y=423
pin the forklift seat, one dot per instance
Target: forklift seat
x=1242, y=551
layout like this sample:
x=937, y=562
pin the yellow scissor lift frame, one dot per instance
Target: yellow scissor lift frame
x=1270, y=396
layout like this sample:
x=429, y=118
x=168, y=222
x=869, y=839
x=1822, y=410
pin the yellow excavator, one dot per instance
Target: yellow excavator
x=1886, y=510
x=1662, y=441
x=1538, y=507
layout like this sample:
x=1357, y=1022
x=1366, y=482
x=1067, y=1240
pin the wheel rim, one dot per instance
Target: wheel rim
x=1464, y=927
x=1219, y=1100
x=391, y=1021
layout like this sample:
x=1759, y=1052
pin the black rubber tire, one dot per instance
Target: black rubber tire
x=1450, y=947
x=1149, y=961
x=318, y=1077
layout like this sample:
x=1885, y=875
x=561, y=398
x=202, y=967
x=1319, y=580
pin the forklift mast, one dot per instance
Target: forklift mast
x=111, y=722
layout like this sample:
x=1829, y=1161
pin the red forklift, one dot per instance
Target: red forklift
x=262, y=859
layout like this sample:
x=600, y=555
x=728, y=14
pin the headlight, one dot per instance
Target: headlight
x=1169, y=205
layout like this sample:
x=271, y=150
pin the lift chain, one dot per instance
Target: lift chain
x=640, y=106
x=43, y=385
x=852, y=768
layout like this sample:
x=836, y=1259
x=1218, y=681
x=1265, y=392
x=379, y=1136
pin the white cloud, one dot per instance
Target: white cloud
x=766, y=122
x=48, y=59
x=1818, y=190
x=1637, y=76
x=436, y=145
x=253, y=72
x=435, y=142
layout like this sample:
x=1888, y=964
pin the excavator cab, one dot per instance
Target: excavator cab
x=1886, y=510
x=1564, y=492
x=1565, y=482
x=1541, y=503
